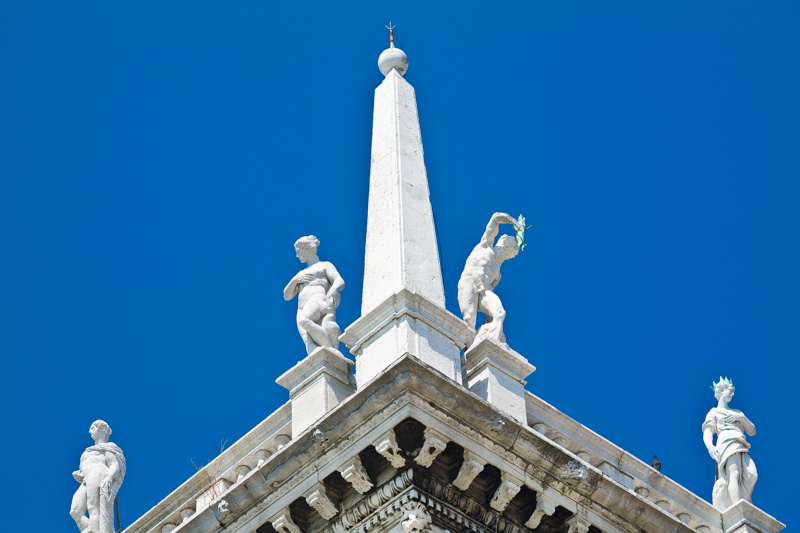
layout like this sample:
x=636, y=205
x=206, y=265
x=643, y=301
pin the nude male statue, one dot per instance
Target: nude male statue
x=102, y=469
x=481, y=275
x=317, y=288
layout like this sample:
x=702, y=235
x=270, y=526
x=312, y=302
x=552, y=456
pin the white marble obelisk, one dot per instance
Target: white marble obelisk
x=401, y=250
x=402, y=309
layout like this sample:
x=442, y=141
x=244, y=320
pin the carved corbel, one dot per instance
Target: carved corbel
x=387, y=447
x=354, y=473
x=283, y=523
x=470, y=469
x=544, y=506
x=318, y=499
x=504, y=494
x=577, y=524
x=434, y=444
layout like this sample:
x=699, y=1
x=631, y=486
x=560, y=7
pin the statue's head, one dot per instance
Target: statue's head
x=723, y=387
x=508, y=246
x=305, y=247
x=98, y=428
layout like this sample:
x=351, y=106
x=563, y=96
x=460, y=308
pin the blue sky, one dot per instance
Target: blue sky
x=158, y=160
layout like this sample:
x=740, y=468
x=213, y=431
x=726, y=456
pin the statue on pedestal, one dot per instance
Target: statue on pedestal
x=736, y=472
x=102, y=469
x=482, y=274
x=317, y=288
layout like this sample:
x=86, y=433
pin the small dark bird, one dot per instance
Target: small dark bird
x=656, y=463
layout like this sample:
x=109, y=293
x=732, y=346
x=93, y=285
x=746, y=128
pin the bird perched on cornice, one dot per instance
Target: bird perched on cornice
x=656, y=463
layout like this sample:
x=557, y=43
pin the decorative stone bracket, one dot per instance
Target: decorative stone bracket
x=468, y=472
x=283, y=523
x=504, y=494
x=544, y=506
x=318, y=499
x=434, y=444
x=577, y=524
x=387, y=447
x=354, y=473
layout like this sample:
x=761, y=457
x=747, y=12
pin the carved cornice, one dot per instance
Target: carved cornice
x=391, y=500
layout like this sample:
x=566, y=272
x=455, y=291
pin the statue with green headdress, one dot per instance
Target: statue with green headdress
x=482, y=274
x=736, y=472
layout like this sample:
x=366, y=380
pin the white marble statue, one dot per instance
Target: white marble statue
x=101, y=472
x=317, y=288
x=481, y=275
x=736, y=472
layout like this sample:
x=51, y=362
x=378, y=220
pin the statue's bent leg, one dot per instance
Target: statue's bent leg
x=307, y=319
x=332, y=330
x=78, y=508
x=490, y=305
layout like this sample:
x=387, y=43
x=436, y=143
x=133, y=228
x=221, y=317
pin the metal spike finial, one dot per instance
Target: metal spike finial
x=391, y=34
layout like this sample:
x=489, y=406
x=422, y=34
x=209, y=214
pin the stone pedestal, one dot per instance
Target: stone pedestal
x=316, y=385
x=497, y=374
x=744, y=517
x=407, y=323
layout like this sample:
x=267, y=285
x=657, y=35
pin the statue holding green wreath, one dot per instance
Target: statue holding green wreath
x=482, y=274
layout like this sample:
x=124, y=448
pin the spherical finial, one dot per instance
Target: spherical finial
x=393, y=58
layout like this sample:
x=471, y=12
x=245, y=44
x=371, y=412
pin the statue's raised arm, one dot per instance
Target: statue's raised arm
x=736, y=471
x=318, y=288
x=481, y=275
x=493, y=227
